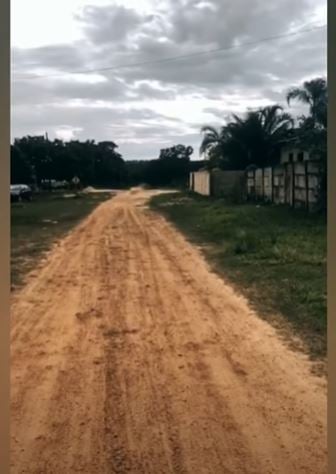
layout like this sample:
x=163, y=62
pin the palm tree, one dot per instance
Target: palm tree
x=212, y=138
x=275, y=122
x=315, y=94
x=253, y=139
x=213, y=145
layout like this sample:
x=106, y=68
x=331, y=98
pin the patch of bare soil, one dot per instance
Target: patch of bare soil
x=129, y=355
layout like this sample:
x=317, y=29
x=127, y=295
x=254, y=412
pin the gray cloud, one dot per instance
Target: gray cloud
x=116, y=35
x=59, y=57
x=46, y=91
x=105, y=25
x=132, y=126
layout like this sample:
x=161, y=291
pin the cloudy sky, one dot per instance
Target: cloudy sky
x=61, y=49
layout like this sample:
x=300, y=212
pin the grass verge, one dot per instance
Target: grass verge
x=36, y=225
x=274, y=255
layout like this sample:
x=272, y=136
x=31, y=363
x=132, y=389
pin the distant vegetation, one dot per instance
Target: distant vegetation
x=35, y=160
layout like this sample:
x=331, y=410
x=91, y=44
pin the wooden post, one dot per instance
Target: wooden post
x=272, y=184
x=254, y=194
x=213, y=183
x=285, y=175
x=293, y=185
x=307, y=185
x=263, y=184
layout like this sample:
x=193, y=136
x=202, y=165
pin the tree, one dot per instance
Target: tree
x=137, y=172
x=171, y=168
x=37, y=151
x=314, y=93
x=93, y=163
x=21, y=171
x=177, y=152
x=213, y=145
x=110, y=167
x=252, y=139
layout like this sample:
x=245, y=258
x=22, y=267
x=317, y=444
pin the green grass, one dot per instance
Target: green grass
x=274, y=255
x=36, y=225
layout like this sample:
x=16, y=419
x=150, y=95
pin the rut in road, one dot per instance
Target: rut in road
x=129, y=355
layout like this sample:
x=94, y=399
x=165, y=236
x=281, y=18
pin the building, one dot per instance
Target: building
x=294, y=151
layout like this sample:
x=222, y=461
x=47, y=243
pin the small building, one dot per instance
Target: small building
x=292, y=153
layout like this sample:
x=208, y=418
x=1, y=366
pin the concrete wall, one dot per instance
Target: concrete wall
x=250, y=183
x=295, y=151
x=295, y=184
x=258, y=179
x=278, y=185
x=225, y=183
x=306, y=184
x=268, y=176
x=217, y=183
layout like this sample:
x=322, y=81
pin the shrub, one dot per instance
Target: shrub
x=245, y=243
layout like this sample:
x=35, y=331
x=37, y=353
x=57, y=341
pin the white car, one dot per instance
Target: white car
x=20, y=192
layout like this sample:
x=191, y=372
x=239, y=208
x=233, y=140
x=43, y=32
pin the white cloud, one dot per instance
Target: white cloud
x=67, y=133
x=144, y=107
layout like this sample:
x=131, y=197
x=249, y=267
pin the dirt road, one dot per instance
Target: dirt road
x=129, y=355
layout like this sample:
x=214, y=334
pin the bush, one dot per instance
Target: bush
x=245, y=243
x=273, y=238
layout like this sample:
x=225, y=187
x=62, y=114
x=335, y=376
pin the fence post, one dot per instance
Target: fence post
x=263, y=184
x=293, y=185
x=255, y=196
x=285, y=181
x=272, y=184
x=307, y=185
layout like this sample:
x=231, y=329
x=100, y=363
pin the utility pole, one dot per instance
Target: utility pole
x=48, y=160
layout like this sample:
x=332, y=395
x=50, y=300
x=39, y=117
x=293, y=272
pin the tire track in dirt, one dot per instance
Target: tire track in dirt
x=129, y=355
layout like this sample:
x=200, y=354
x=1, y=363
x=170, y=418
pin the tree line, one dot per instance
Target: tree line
x=171, y=168
x=35, y=159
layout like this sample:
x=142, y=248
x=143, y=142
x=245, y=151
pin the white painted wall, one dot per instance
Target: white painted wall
x=201, y=182
x=286, y=151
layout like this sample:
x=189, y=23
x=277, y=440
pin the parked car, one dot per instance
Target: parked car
x=20, y=192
